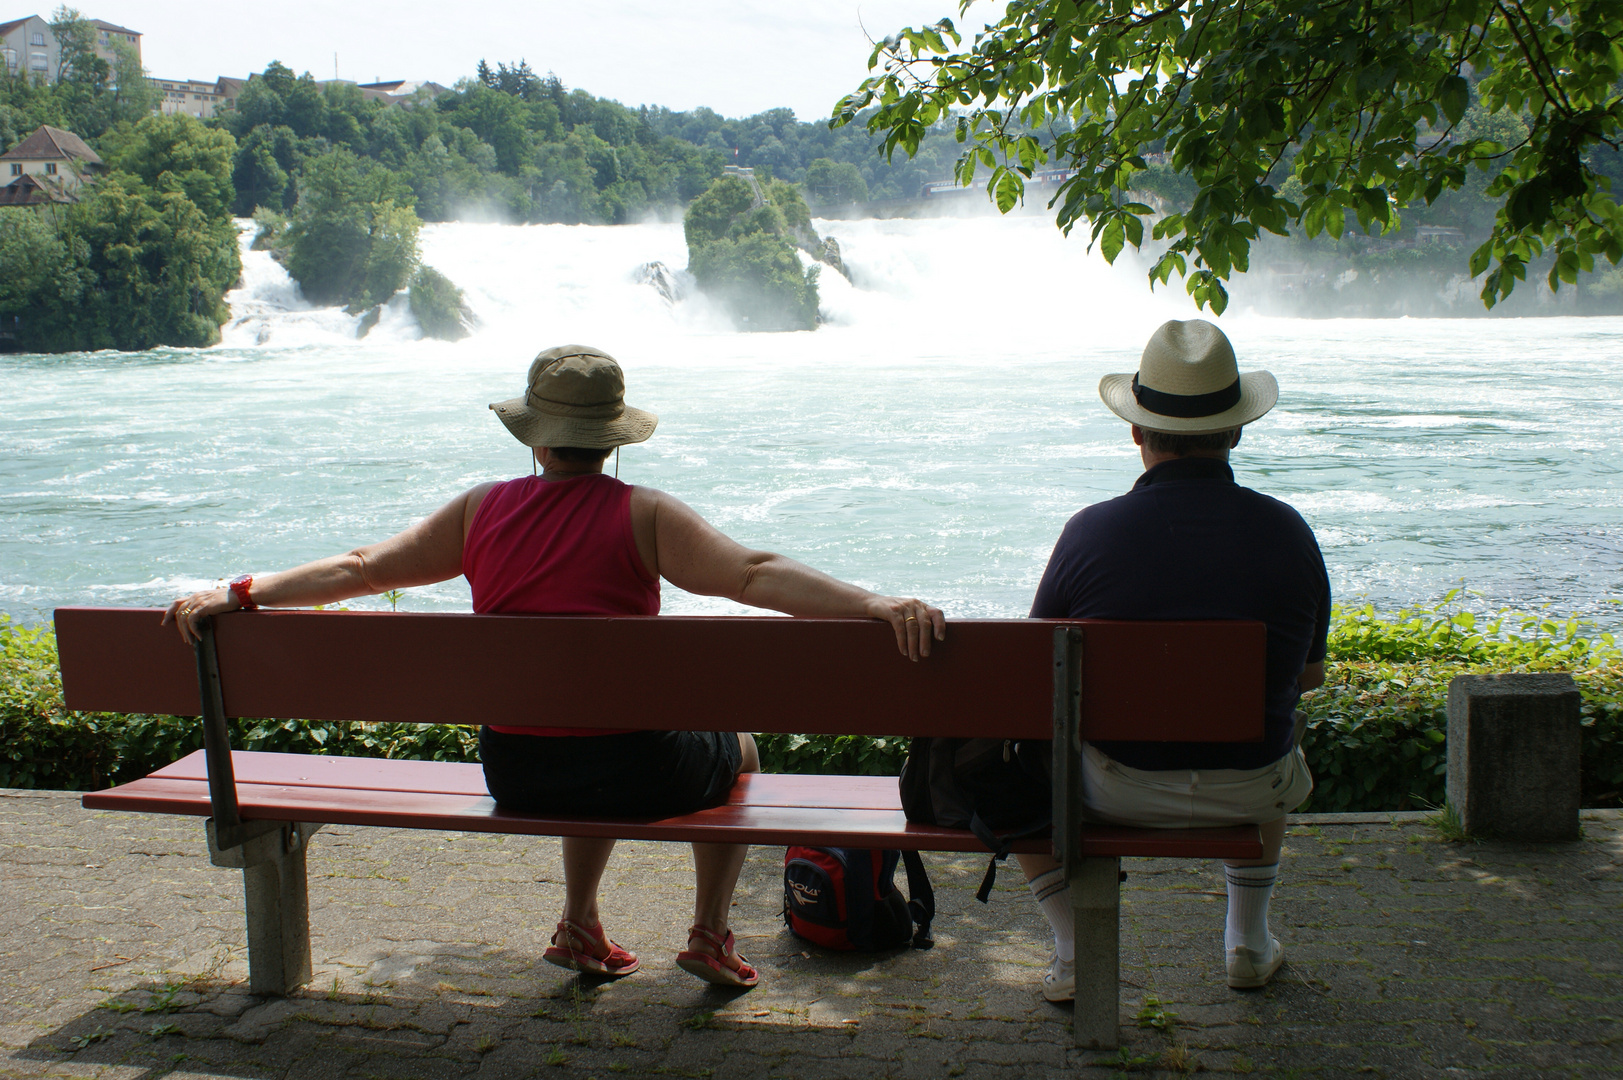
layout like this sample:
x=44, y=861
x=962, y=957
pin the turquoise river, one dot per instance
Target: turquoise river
x=930, y=438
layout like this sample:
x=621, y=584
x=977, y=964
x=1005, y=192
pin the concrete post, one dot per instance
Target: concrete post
x=1096, y=907
x=1513, y=755
x=277, y=898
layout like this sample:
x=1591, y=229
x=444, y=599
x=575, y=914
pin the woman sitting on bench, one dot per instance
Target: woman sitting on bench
x=573, y=541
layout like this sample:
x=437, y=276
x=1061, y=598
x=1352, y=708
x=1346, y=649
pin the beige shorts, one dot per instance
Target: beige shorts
x=1187, y=798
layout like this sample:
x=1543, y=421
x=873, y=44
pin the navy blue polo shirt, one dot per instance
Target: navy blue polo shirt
x=1189, y=543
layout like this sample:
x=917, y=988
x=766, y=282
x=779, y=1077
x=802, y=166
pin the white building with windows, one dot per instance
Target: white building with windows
x=190, y=96
x=27, y=47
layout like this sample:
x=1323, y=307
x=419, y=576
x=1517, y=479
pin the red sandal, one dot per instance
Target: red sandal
x=730, y=969
x=582, y=950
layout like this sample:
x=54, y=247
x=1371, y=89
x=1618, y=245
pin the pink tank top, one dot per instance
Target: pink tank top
x=560, y=547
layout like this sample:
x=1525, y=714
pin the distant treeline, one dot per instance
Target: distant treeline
x=523, y=147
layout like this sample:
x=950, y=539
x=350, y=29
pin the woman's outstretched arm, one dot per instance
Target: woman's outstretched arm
x=429, y=551
x=692, y=554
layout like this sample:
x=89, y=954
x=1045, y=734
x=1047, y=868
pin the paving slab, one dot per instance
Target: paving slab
x=122, y=957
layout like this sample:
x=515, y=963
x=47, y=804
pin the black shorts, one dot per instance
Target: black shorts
x=639, y=774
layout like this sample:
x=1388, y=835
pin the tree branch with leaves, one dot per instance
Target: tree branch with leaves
x=1359, y=100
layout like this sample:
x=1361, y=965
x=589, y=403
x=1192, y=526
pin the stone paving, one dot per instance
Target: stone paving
x=121, y=957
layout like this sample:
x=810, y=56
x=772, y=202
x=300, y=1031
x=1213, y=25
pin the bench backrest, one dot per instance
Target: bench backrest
x=1139, y=680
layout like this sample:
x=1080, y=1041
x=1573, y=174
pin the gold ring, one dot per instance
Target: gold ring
x=911, y=618
x=185, y=611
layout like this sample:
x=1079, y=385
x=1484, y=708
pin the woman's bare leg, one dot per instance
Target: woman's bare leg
x=716, y=866
x=584, y=860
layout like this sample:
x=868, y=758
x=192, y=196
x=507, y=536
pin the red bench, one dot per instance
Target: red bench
x=1015, y=679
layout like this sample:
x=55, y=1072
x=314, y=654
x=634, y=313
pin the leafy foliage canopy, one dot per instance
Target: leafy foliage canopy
x=1361, y=101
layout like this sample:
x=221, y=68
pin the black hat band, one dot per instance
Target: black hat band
x=1187, y=406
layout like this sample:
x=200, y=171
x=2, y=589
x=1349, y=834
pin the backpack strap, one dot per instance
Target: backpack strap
x=920, y=900
x=1000, y=847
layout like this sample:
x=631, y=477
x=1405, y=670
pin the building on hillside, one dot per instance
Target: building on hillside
x=109, y=34
x=30, y=191
x=226, y=91
x=190, y=96
x=29, y=48
x=401, y=91
x=50, y=166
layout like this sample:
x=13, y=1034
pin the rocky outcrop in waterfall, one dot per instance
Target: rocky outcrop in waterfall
x=829, y=255
x=439, y=306
x=741, y=236
x=661, y=278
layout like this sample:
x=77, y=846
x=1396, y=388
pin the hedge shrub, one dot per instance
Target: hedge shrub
x=1375, y=736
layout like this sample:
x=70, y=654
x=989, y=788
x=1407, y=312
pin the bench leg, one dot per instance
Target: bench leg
x=1095, y=904
x=277, y=898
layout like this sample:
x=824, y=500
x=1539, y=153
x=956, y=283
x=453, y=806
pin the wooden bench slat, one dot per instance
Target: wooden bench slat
x=806, y=676
x=462, y=778
x=760, y=820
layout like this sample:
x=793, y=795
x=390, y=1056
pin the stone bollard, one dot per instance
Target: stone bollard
x=1513, y=748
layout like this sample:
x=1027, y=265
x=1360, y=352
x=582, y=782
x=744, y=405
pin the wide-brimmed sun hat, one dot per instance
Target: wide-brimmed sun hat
x=577, y=397
x=1188, y=383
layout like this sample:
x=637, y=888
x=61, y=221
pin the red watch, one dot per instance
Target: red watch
x=239, y=588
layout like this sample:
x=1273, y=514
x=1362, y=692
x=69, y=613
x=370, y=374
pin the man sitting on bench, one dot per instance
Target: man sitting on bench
x=573, y=541
x=1189, y=543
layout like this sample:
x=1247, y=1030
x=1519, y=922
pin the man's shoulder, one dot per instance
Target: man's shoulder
x=1262, y=503
x=1250, y=509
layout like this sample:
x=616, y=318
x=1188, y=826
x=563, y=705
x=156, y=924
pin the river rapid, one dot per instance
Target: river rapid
x=931, y=438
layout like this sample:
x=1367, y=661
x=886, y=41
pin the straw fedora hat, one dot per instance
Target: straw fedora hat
x=1189, y=384
x=577, y=397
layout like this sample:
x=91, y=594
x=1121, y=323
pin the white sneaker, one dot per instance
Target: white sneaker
x=1249, y=969
x=1060, y=982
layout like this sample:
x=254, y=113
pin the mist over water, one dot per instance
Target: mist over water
x=931, y=438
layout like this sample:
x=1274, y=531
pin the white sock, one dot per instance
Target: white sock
x=1250, y=889
x=1054, y=897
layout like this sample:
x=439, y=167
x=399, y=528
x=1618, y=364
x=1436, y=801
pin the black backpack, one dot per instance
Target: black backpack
x=998, y=788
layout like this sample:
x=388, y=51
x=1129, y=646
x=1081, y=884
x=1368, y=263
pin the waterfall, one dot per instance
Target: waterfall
x=958, y=282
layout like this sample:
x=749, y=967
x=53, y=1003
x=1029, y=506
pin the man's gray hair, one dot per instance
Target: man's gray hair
x=1166, y=442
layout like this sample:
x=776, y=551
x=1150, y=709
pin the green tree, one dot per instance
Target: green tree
x=127, y=267
x=1360, y=101
x=834, y=183
x=177, y=153
x=712, y=214
x=134, y=95
x=77, y=64
x=262, y=172
x=44, y=276
x=741, y=253
x=353, y=236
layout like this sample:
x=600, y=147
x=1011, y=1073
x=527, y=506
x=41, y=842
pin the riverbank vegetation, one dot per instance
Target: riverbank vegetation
x=1376, y=734
x=145, y=255
x=143, y=259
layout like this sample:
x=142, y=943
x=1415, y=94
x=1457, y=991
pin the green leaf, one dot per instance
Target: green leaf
x=1111, y=239
x=1454, y=97
x=1008, y=191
